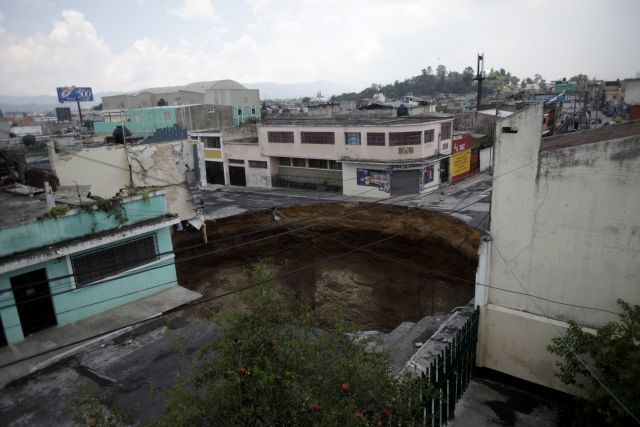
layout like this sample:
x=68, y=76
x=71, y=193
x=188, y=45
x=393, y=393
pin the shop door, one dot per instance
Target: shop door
x=475, y=161
x=3, y=337
x=237, y=176
x=444, y=171
x=405, y=182
x=33, y=300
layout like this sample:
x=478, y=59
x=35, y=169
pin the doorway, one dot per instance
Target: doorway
x=215, y=172
x=444, y=171
x=237, y=176
x=33, y=301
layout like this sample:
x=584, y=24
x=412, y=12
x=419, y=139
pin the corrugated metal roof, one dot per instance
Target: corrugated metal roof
x=589, y=136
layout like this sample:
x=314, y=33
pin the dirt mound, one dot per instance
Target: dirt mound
x=427, y=268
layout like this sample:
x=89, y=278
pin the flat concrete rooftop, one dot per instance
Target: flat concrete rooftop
x=395, y=121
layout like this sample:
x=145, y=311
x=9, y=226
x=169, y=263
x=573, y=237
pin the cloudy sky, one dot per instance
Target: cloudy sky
x=129, y=44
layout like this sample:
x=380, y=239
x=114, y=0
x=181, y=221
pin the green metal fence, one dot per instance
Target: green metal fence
x=448, y=376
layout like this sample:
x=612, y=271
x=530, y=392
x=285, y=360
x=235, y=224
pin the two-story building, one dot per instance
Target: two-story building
x=369, y=157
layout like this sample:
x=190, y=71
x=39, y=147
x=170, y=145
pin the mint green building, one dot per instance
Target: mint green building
x=55, y=271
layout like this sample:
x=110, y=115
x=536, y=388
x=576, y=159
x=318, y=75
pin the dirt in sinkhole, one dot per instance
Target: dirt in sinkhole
x=430, y=268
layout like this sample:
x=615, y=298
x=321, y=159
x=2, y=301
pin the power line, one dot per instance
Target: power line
x=202, y=301
x=376, y=205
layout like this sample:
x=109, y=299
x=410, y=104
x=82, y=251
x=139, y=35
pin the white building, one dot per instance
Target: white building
x=370, y=157
x=565, y=229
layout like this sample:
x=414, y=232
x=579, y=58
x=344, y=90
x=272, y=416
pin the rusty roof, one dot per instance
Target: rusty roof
x=590, y=136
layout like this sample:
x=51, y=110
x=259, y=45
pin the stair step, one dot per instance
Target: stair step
x=393, y=336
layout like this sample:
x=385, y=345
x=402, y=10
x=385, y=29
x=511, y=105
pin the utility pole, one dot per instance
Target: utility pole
x=480, y=77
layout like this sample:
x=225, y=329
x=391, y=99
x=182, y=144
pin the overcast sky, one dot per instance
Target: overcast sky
x=129, y=44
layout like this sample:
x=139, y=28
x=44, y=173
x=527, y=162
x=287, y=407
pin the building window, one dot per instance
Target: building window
x=299, y=163
x=280, y=137
x=317, y=138
x=352, y=138
x=445, y=131
x=166, y=116
x=211, y=141
x=239, y=111
x=253, y=111
x=375, y=138
x=317, y=164
x=428, y=136
x=107, y=262
x=236, y=161
x=335, y=165
x=404, y=138
x=258, y=164
x=285, y=161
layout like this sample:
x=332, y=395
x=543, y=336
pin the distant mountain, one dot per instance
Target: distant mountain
x=300, y=90
x=42, y=103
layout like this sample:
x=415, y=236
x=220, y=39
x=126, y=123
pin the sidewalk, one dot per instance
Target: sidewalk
x=118, y=317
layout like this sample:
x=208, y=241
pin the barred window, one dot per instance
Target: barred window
x=280, y=137
x=445, y=131
x=428, y=135
x=317, y=138
x=258, y=164
x=211, y=141
x=106, y=262
x=299, y=163
x=335, y=165
x=285, y=161
x=352, y=138
x=375, y=138
x=236, y=161
x=404, y=138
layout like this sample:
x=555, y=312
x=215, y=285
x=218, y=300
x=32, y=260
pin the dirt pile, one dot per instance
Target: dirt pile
x=427, y=268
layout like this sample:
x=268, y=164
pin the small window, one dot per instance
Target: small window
x=236, y=161
x=335, y=165
x=317, y=138
x=429, y=136
x=258, y=164
x=253, y=111
x=280, y=137
x=285, y=161
x=352, y=138
x=166, y=116
x=211, y=141
x=239, y=111
x=376, y=138
x=317, y=164
x=445, y=131
x=299, y=163
x=99, y=264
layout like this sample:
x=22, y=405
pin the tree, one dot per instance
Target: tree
x=614, y=354
x=429, y=70
x=306, y=100
x=273, y=367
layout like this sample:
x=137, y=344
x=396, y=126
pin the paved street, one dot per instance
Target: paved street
x=468, y=200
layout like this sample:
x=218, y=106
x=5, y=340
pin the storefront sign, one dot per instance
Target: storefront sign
x=461, y=163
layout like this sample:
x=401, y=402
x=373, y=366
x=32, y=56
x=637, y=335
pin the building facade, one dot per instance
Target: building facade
x=565, y=240
x=58, y=270
x=369, y=157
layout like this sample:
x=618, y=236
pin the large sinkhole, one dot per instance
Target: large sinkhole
x=428, y=268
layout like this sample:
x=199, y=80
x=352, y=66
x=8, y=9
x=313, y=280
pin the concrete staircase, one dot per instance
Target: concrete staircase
x=403, y=342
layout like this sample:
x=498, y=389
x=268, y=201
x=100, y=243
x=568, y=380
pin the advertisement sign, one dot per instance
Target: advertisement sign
x=565, y=86
x=373, y=178
x=426, y=175
x=461, y=163
x=74, y=94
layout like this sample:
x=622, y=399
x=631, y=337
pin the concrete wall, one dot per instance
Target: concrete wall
x=565, y=228
x=341, y=150
x=203, y=117
x=632, y=92
x=166, y=165
x=104, y=168
x=232, y=96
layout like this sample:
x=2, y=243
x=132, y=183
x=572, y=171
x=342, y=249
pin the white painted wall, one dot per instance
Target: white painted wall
x=256, y=177
x=565, y=227
x=350, y=185
x=104, y=168
x=632, y=92
x=341, y=150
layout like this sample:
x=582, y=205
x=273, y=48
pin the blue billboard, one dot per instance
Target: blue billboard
x=74, y=94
